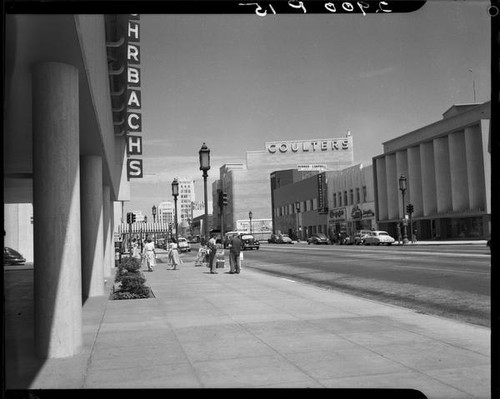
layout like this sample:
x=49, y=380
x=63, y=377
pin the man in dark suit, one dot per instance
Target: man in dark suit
x=234, y=255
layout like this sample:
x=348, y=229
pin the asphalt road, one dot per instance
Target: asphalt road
x=447, y=280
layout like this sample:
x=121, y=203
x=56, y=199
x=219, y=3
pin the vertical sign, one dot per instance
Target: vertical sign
x=322, y=208
x=134, y=105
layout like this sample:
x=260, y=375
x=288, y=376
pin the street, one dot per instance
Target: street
x=452, y=281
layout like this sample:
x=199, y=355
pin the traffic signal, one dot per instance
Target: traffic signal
x=129, y=218
x=224, y=198
x=133, y=217
x=219, y=199
x=409, y=208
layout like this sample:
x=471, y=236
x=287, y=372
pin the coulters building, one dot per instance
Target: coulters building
x=72, y=127
x=247, y=184
x=448, y=169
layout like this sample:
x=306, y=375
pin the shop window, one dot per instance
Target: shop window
x=314, y=204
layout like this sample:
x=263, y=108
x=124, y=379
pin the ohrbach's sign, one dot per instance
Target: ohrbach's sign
x=322, y=145
x=133, y=115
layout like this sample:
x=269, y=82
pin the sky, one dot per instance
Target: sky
x=238, y=81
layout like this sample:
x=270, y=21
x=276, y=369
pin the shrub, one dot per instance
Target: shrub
x=131, y=280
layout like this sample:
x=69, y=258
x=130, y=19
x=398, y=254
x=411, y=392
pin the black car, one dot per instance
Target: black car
x=248, y=241
x=318, y=238
x=12, y=257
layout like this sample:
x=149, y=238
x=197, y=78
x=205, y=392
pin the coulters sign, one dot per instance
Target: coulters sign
x=134, y=116
x=322, y=145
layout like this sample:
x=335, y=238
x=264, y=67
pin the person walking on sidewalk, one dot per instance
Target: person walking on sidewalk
x=398, y=234
x=149, y=254
x=212, y=247
x=173, y=256
x=234, y=255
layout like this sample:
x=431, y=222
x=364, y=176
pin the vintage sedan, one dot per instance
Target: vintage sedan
x=248, y=241
x=12, y=257
x=378, y=238
x=183, y=245
x=318, y=238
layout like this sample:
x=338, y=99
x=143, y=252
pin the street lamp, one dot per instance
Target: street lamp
x=175, y=193
x=250, y=217
x=205, y=166
x=153, y=211
x=402, y=187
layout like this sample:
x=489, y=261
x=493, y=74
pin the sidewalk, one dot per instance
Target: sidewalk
x=251, y=330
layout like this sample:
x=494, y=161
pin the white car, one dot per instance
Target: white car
x=378, y=237
x=183, y=245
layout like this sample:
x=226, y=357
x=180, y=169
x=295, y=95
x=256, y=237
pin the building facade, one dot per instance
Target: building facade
x=351, y=200
x=448, y=169
x=247, y=184
x=65, y=154
x=333, y=203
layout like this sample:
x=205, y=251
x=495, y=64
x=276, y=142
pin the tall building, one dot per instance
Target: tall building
x=165, y=212
x=247, y=184
x=184, y=201
x=447, y=167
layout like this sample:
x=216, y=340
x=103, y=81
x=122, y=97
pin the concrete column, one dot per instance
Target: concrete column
x=108, y=233
x=458, y=172
x=381, y=189
x=92, y=226
x=392, y=187
x=402, y=169
x=428, y=173
x=475, y=169
x=485, y=135
x=56, y=207
x=415, y=180
x=443, y=178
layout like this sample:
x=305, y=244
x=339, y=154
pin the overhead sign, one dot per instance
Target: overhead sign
x=134, y=105
x=320, y=167
x=301, y=146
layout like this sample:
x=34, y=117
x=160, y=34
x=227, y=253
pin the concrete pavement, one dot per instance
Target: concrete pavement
x=249, y=330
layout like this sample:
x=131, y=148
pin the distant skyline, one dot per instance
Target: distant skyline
x=237, y=81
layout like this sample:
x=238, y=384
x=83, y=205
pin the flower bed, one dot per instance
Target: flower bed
x=129, y=281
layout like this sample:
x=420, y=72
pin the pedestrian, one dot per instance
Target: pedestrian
x=398, y=233
x=173, y=256
x=212, y=247
x=136, y=253
x=149, y=254
x=200, y=257
x=414, y=236
x=234, y=255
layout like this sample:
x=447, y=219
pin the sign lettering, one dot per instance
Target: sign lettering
x=134, y=145
x=309, y=146
x=134, y=168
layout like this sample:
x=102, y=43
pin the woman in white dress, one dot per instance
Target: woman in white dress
x=173, y=256
x=149, y=254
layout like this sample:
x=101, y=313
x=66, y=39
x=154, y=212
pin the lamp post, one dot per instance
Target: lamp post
x=402, y=187
x=175, y=193
x=250, y=217
x=205, y=167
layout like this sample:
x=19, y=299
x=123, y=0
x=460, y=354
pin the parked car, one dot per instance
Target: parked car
x=183, y=245
x=318, y=238
x=248, y=241
x=284, y=239
x=360, y=235
x=378, y=237
x=12, y=257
